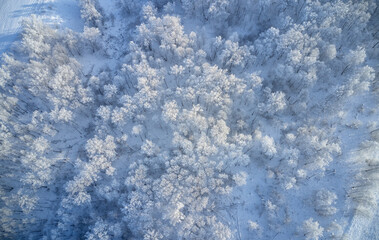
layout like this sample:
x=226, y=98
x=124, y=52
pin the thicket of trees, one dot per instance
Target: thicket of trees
x=221, y=119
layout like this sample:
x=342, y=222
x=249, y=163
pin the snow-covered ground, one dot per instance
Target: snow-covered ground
x=66, y=14
x=63, y=13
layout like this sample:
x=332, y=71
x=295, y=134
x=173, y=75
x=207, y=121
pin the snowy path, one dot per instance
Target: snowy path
x=363, y=228
x=12, y=12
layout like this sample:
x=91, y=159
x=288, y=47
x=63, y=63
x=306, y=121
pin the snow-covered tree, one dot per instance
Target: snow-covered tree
x=191, y=119
x=311, y=229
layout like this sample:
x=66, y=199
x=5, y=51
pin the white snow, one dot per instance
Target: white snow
x=63, y=13
x=66, y=14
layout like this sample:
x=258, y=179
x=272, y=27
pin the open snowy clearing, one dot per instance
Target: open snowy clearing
x=62, y=13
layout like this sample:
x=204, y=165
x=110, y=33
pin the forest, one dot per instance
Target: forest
x=193, y=119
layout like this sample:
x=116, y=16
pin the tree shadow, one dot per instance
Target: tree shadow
x=8, y=37
x=35, y=8
x=6, y=42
